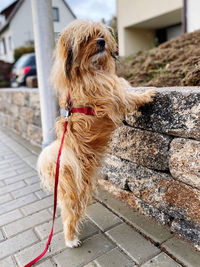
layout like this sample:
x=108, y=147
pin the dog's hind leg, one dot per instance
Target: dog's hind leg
x=46, y=166
x=70, y=204
x=70, y=212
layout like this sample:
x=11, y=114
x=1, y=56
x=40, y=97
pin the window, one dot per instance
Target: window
x=3, y=46
x=56, y=35
x=10, y=43
x=55, y=14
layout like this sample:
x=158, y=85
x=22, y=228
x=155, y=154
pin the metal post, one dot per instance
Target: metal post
x=44, y=45
x=184, y=16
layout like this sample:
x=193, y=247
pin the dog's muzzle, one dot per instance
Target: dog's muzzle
x=101, y=45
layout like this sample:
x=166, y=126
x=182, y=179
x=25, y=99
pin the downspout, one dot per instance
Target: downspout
x=184, y=16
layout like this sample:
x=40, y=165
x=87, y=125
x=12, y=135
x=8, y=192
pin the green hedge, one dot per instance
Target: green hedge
x=18, y=52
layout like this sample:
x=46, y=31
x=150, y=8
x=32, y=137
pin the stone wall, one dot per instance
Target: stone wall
x=156, y=156
x=20, y=111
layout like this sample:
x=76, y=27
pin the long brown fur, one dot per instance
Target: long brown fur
x=89, y=76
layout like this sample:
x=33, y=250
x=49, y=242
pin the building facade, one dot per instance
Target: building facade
x=143, y=24
x=17, y=26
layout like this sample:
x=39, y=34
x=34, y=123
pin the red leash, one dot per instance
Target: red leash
x=86, y=111
x=55, y=201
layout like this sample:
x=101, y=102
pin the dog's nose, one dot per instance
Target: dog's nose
x=101, y=42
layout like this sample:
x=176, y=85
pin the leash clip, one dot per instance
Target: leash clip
x=67, y=114
x=49, y=248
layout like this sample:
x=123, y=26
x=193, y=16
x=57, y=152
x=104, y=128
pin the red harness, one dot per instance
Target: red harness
x=86, y=111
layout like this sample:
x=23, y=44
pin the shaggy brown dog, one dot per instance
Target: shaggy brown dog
x=84, y=66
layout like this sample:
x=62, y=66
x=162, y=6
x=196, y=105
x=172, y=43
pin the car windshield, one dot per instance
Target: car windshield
x=25, y=60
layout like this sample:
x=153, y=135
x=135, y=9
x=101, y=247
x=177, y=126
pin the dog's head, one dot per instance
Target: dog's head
x=84, y=47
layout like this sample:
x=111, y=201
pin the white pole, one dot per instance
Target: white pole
x=44, y=45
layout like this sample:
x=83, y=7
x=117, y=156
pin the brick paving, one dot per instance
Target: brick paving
x=112, y=235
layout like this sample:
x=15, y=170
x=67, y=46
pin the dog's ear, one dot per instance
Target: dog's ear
x=65, y=52
x=68, y=63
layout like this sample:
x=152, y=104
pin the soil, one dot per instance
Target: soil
x=173, y=63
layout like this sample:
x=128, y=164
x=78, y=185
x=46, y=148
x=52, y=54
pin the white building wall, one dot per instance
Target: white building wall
x=138, y=20
x=132, y=12
x=65, y=16
x=21, y=26
x=193, y=15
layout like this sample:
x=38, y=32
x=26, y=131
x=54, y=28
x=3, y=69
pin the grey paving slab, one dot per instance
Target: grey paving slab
x=38, y=205
x=21, y=166
x=46, y=263
x=16, y=243
x=7, y=171
x=31, y=160
x=17, y=203
x=114, y=258
x=23, y=169
x=57, y=245
x=102, y=217
x=91, y=249
x=7, y=262
x=16, y=162
x=91, y=264
x=5, y=174
x=42, y=194
x=5, y=198
x=183, y=252
x=26, y=190
x=10, y=155
x=2, y=183
x=26, y=223
x=9, y=188
x=3, y=163
x=87, y=229
x=162, y=260
x=1, y=236
x=28, y=254
x=32, y=180
x=20, y=177
x=139, y=221
x=22, y=152
x=10, y=217
x=23, y=142
x=29, y=217
x=58, y=212
x=132, y=243
x=44, y=229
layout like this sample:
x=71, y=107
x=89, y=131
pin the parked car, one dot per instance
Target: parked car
x=25, y=66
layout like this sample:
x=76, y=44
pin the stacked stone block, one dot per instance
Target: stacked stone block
x=20, y=111
x=156, y=156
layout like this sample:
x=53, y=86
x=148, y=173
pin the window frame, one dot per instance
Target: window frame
x=57, y=19
x=3, y=48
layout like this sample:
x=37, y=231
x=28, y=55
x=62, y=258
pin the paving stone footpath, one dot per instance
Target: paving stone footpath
x=112, y=235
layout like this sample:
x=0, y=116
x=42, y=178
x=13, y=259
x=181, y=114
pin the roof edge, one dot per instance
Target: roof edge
x=67, y=5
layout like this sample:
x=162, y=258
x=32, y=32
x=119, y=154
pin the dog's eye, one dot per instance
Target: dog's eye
x=87, y=39
x=101, y=36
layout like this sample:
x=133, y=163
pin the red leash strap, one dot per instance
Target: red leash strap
x=86, y=111
x=55, y=200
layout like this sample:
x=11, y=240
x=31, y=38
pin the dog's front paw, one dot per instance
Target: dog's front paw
x=151, y=93
x=73, y=243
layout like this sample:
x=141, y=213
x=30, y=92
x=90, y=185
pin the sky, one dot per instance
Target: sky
x=91, y=9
